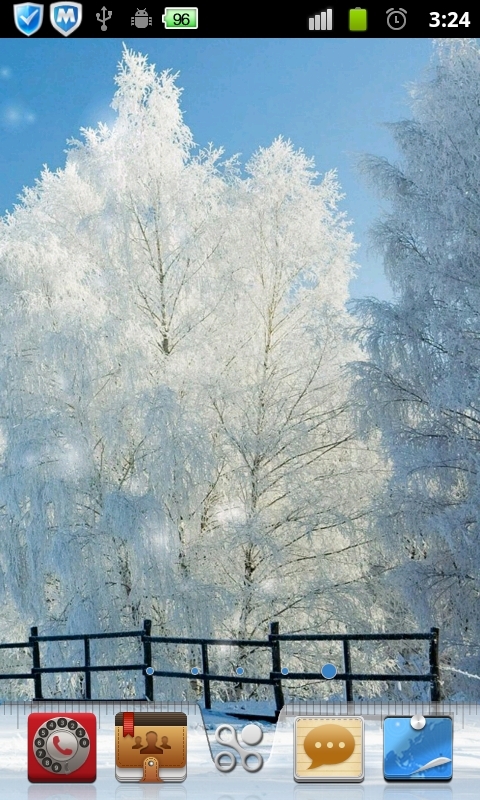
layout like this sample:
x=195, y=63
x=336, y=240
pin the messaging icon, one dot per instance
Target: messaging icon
x=329, y=749
x=418, y=748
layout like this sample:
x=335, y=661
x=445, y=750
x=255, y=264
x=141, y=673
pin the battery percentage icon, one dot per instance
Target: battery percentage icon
x=180, y=18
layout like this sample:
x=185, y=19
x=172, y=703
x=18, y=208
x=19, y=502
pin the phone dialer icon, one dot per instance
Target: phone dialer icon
x=62, y=746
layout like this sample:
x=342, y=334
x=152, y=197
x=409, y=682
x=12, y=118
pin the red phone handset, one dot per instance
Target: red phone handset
x=56, y=744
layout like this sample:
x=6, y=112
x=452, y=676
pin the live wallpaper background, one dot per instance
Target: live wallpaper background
x=218, y=408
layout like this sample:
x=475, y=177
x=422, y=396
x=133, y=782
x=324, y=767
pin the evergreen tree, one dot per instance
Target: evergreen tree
x=420, y=385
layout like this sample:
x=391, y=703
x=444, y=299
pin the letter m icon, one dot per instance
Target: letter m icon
x=66, y=17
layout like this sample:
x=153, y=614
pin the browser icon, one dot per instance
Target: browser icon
x=418, y=748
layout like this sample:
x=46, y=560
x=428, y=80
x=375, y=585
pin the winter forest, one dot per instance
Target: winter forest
x=198, y=426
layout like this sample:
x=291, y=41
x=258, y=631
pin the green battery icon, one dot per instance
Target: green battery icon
x=180, y=18
x=357, y=20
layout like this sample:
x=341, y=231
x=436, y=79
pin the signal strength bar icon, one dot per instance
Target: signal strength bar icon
x=322, y=21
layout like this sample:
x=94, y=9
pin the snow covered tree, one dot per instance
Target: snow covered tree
x=421, y=383
x=165, y=227
x=100, y=454
x=178, y=438
x=292, y=502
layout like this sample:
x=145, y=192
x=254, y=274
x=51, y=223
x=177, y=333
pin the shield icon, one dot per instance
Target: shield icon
x=66, y=17
x=28, y=17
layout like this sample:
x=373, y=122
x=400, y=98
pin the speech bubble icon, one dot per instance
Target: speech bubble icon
x=328, y=744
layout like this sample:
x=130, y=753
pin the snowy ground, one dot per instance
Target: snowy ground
x=273, y=782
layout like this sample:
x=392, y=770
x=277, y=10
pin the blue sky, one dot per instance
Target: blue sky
x=328, y=96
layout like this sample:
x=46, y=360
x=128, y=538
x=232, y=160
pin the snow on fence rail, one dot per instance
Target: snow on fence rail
x=273, y=642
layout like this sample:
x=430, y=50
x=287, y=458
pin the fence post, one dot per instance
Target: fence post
x=347, y=668
x=434, y=664
x=37, y=676
x=276, y=667
x=206, y=683
x=88, y=674
x=147, y=657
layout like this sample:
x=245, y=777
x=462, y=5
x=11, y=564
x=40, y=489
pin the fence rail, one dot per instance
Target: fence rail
x=273, y=642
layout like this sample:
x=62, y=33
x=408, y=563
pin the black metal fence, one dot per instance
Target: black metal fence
x=273, y=643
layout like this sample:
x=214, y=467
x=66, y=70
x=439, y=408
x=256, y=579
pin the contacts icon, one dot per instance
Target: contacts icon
x=329, y=749
x=150, y=747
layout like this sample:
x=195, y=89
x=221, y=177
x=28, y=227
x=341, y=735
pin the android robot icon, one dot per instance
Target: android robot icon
x=141, y=19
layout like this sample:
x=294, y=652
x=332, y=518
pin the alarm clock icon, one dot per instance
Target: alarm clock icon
x=62, y=748
x=396, y=18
